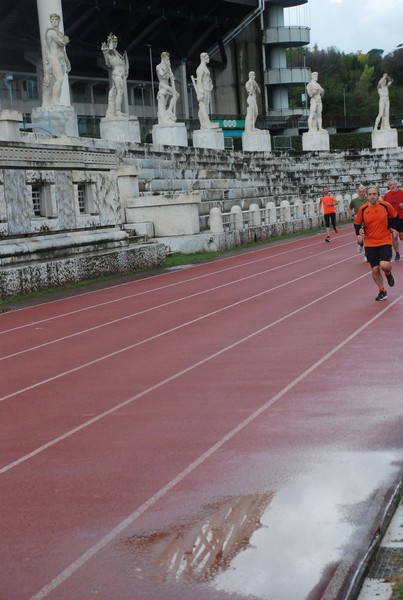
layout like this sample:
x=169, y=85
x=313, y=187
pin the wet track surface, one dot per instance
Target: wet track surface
x=229, y=431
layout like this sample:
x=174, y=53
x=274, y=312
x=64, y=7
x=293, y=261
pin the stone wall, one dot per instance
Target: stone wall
x=53, y=273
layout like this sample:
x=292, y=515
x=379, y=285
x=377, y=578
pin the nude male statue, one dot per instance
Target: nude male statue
x=203, y=86
x=315, y=92
x=384, y=104
x=56, y=63
x=167, y=96
x=119, y=65
x=252, y=110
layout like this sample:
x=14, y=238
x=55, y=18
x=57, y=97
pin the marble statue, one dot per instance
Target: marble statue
x=56, y=63
x=252, y=89
x=119, y=65
x=315, y=92
x=382, y=120
x=167, y=96
x=203, y=86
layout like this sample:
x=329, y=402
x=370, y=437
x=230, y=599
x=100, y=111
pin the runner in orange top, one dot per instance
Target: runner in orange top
x=395, y=198
x=375, y=218
x=328, y=206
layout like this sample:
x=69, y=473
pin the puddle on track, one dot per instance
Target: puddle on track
x=281, y=545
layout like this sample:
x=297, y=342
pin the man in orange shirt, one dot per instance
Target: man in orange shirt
x=395, y=198
x=328, y=206
x=375, y=218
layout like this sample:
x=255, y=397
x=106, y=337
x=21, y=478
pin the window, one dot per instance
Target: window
x=30, y=88
x=82, y=199
x=36, y=200
x=42, y=202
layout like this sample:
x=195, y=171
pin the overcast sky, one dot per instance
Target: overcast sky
x=351, y=25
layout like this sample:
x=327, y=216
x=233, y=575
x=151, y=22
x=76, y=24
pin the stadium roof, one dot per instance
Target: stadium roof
x=184, y=28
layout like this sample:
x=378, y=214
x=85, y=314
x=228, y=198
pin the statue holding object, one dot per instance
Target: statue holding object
x=119, y=65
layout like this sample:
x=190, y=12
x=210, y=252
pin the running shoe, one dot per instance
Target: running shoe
x=359, y=248
x=381, y=296
x=391, y=280
x=327, y=239
x=397, y=257
x=336, y=230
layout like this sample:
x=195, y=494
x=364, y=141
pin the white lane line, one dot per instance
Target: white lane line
x=113, y=533
x=162, y=333
x=157, y=289
x=165, y=274
x=158, y=385
x=164, y=305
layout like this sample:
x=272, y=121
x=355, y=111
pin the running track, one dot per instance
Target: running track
x=265, y=383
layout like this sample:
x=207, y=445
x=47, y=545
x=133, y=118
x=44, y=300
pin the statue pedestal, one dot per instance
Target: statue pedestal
x=120, y=129
x=384, y=138
x=10, y=125
x=315, y=140
x=57, y=120
x=256, y=141
x=209, y=138
x=170, y=135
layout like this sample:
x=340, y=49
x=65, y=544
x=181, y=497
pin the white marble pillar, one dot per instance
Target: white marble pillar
x=45, y=9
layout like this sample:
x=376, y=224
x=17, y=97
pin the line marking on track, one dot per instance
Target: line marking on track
x=136, y=294
x=280, y=243
x=165, y=304
x=165, y=381
x=156, y=336
x=96, y=548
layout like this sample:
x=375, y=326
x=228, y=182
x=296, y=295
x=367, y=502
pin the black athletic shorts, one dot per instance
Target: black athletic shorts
x=375, y=254
x=330, y=217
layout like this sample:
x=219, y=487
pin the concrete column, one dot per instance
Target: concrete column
x=45, y=9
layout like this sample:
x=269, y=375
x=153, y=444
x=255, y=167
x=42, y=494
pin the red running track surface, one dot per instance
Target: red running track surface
x=228, y=430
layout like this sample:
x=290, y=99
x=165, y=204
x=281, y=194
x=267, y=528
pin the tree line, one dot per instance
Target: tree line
x=350, y=81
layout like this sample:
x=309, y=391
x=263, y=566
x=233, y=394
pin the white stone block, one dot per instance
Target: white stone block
x=170, y=135
x=176, y=214
x=120, y=129
x=57, y=120
x=145, y=228
x=316, y=140
x=384, y=138
x=209, y=138
x=10, y=125
x=256, y=141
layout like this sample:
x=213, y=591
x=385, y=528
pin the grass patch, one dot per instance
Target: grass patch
x=185, y=259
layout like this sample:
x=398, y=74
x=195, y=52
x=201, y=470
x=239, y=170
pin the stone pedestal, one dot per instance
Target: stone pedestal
x=170, y=135
x=384, y=138
x=209, y=138
x=316, y=140
x=9, y=125
x=120, y=129
x=56, y=120
x=256, y=141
